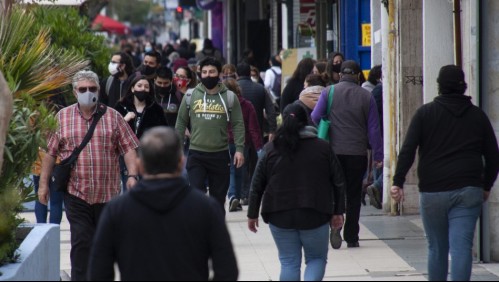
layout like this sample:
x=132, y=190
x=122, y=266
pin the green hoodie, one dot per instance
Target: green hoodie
x=209, y=122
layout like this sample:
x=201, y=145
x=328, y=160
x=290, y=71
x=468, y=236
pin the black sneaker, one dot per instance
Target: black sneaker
x=353, y=245
x=335, y=238
x=374, y=197
x=234, y=205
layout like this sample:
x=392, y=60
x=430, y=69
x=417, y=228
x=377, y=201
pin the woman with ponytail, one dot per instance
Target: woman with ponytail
x=304, y=188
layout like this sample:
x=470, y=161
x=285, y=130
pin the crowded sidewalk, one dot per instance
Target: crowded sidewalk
x=391, y=249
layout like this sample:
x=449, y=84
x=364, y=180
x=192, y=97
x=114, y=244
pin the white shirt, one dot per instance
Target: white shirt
x=270, y=78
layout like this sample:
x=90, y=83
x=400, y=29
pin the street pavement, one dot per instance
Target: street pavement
x=391, y=249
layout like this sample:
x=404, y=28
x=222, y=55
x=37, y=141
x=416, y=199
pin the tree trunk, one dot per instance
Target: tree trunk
x=5, y=114
x=91, y=8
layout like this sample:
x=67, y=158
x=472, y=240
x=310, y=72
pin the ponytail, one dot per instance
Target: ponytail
x=287, y=140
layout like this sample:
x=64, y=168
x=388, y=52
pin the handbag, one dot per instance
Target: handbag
x=325, y=124
x=62, y=171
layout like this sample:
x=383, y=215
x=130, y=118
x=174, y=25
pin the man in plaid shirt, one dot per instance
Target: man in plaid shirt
x=95, y=180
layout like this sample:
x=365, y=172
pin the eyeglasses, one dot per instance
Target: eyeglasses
x=82, y=90
x=179, y=76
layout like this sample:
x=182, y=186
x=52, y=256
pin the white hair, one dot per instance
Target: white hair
x=85, y=75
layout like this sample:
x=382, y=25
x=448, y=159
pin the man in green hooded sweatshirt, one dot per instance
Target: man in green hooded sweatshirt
x=209, y=109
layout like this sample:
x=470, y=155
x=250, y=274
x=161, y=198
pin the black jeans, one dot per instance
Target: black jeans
x=354, y=168
x=212, y=166
x=83, y=219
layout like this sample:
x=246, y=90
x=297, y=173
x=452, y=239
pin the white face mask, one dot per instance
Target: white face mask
x=87, y=99
x=255, y=80
x=113, y=68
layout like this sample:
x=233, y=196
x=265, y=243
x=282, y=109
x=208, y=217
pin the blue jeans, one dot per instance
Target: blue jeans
x=290, y=242
x=378, y=180
x=41, y=211
x=238, y=175
x=449, y=220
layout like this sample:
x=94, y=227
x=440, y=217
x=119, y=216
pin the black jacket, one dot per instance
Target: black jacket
x=312, y=180
x=454, y=139
x=162, y=230
x=260, y=98
x=152, y=116
x=118, y=90
x=291, y=92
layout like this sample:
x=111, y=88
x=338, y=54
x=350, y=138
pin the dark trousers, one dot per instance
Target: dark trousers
x=212, y=166
x=83, y=219
x=354, y=168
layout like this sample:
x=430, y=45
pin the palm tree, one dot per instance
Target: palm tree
x=34, y=71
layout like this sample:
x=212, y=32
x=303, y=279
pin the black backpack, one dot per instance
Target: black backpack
x=276, y=88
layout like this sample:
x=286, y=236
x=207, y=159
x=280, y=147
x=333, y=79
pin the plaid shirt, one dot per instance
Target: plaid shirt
x=96, y=177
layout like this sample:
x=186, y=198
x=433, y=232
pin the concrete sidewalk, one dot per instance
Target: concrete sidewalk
x=391, y=249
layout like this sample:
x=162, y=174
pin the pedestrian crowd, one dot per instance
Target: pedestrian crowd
x=169, y=126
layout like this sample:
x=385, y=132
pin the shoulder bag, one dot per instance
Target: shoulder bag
x=325, y=123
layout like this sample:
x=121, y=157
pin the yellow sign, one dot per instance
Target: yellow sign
x=366, y=34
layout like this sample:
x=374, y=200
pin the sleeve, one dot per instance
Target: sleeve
x=286, y=96
x=120, y=109
x=222, y=252
x=127, y=140
x=269, y=79
x=374, y=131
x=490, y=153
x=320, y=109
x=237, y=121
x=408, y=151
x=182, y=120
x=339, y=185
x=102, y=254
x=254, y=129
x=103, y=98
x=271, y=113
x=258, y=185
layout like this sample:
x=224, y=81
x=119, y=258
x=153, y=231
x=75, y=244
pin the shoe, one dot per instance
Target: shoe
x=233, y=205
x=244, y=202
x=353, y=245
x=335, y=238
x=374, y=197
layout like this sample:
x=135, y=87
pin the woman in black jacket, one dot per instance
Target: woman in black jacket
x=139, y=108
x=304, y=186
x=295, y=84
x=140, y=111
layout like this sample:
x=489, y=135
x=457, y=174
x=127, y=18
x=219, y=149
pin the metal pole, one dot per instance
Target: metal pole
x=321, y=21
x=457, y=33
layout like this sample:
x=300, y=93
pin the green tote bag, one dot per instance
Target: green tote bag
x=325, y=124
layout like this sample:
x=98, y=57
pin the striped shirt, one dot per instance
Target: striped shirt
x=96, y=177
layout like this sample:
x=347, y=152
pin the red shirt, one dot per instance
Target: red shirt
x=96, y=177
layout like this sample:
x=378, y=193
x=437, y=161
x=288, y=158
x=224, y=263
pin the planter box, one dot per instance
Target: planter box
x=39, y=256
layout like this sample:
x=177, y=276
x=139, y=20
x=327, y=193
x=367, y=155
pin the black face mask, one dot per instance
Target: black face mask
x=163, y=90
x=337, y=68
x=141, y=95
x=210, y=82
x=148, y=71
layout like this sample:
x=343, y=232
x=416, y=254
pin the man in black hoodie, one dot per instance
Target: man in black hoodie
x=153, y=232
x=458, y=165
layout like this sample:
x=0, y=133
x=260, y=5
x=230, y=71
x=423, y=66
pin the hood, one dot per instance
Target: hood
x=310, y=96
x=308, y=132
x=456, y=104
x=161, y=195
x=200, y=87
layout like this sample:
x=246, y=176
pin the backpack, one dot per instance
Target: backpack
x=276, y=88
x=230, y=101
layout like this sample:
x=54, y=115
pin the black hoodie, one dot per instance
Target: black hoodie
x=162, y=230
x=457, y=146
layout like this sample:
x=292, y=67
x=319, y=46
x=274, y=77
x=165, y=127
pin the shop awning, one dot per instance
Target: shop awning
x=103, y=23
